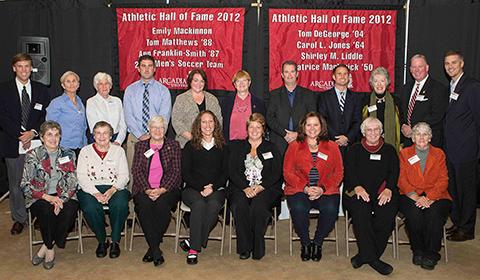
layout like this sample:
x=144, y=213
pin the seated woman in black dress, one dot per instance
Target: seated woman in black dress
x=371, y=194
x=255, y=170
x=50, y=186
x=205, y=172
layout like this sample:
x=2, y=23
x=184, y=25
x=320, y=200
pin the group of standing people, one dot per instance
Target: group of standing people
x=315, y=144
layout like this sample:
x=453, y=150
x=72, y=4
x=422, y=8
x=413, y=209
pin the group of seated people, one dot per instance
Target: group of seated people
x=56, y=185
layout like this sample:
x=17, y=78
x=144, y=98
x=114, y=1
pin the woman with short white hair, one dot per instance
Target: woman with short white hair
x=104, y=107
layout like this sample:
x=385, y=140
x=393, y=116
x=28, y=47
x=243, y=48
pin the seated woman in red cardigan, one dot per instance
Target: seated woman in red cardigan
x=424, y=199
x=313, y=171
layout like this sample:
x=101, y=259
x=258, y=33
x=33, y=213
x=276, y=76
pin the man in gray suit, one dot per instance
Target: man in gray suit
x=286, y=107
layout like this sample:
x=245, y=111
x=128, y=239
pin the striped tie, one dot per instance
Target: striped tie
x=412, y=103
x=145, y=109
x=25, y=107
x=342, y=101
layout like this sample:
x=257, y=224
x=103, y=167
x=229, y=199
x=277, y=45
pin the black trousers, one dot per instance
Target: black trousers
x=462, y=186
x=203, y=216
x=155, y=216
x=251, y=219
x=372, y=225
x=54, y=228
x=425, y=226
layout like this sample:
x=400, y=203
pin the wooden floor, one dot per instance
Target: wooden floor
x=464, y=261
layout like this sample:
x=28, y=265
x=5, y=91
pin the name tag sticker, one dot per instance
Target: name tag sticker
x=421, y=98
x=413, y=160
x=454, y=96
x=267, y=155
x=322, y=156
x=64, y=160
x=149, y=153
x=372, y=108
x=375, y=157
x=38, y=106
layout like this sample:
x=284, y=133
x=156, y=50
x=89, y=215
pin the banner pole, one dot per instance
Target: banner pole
x=407, y=19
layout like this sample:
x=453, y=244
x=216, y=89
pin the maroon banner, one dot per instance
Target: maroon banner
x=318, y=40
x=181, y=39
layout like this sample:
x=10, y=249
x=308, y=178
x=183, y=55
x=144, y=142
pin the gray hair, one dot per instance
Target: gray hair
x=68, y=73
x=371, y=120
x=419, y=56
x=101, y=76
x=157, y=119
x=46, y=126
x=422, y=127
x=379, y=71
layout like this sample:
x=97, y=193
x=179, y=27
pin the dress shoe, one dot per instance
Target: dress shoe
x=114, y=250
x=49, y=265
x=451, y=229
x=192, y=259
x=356, y=261
x=17, y=228
x=159, y=261
x=245, y=255
x=148, y=257
x=101, y=251
x=417, y=259
x=316, y=253
x=306, y=252
x=36, y=260
x=185, y=245
x=428, y=264
x=460, y=236
x=381, y=267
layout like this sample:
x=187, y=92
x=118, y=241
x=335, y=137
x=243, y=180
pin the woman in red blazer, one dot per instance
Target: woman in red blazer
x=424, y=200
x=313, y=171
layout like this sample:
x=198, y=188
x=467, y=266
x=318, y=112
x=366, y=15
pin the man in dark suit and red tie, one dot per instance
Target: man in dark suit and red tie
x=22, y=111
x=462, y=147
x=422, y=100
x=342, y=109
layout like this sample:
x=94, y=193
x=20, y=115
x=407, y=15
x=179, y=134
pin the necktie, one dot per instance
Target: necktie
x=291, y=98
x=411, y=104
x=145, y=109
x=25, y=107
x=342, y=101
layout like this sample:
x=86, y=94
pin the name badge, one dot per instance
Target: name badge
x=267, y=155
x=38, y=106
x=421, y=98
x=64, y=160
x=149, y=153
x=372, y=108
x=414, y=160
x=375, y=157
x=322, y=156
x=454, y=96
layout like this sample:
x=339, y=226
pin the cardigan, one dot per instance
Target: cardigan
x=372, y=171
x=36, y=174
x=170, y=157
x=299, y=162
x=433, y=181
x=268, y=154
x=93, y=171
x=202, y=167
x=185, y=110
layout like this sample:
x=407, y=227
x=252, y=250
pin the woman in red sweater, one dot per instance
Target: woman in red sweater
x=424, y=199
x=313, y=171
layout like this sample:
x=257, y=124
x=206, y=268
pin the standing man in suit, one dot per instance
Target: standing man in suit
x=287, y=106
x=342, y=109
x=462, y=147
x=22, y=111
x=422, y=100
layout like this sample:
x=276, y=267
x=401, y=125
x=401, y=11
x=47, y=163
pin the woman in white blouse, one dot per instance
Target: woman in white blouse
x=102, y=172
x=104, y=107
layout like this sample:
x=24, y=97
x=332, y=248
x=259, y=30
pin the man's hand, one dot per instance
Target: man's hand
x=290, y=136
x=341, y=140
x=406, y=131
x=145, y=136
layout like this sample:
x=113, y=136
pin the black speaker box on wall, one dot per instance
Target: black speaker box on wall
x=39, y=49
